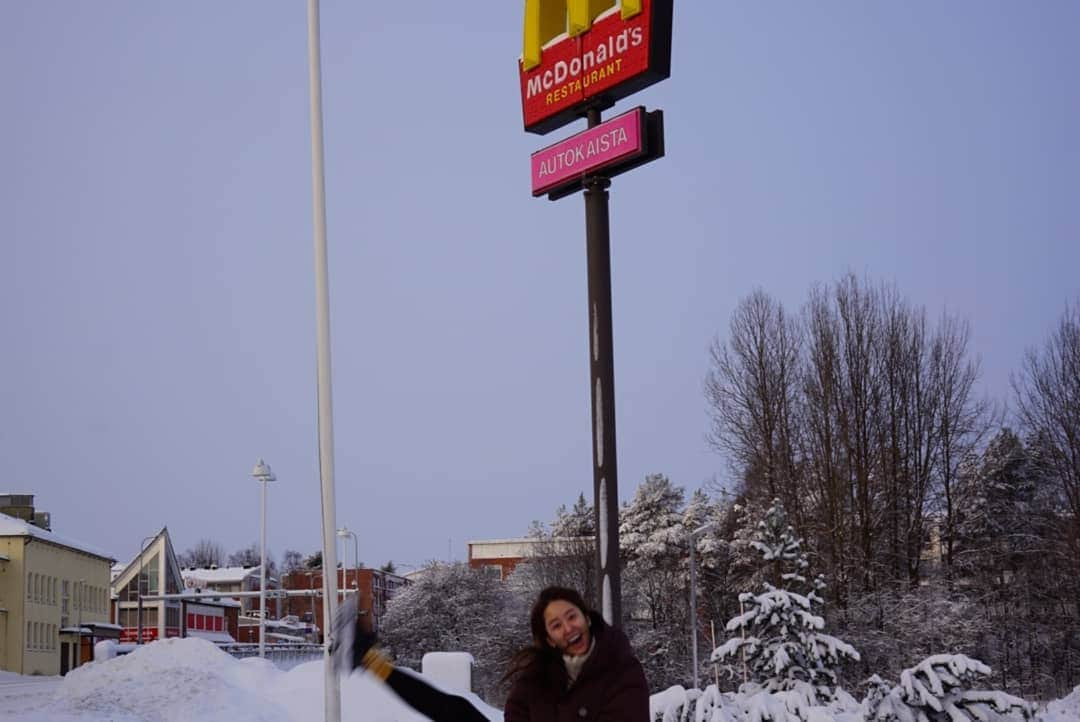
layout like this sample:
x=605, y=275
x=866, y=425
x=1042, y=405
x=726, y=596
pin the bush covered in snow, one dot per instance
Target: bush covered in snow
x=938, y=689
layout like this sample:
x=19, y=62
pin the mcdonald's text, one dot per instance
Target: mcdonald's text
x=614, y=58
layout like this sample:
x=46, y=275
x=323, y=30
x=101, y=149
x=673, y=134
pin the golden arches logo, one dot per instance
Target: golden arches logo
x=547, y=19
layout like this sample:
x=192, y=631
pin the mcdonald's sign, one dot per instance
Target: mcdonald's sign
x=577, y=53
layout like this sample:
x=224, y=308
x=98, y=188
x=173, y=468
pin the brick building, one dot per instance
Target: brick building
x=501, y=556
x=374, y=587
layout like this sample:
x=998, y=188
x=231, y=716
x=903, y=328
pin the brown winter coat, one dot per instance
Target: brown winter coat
x=610, y=688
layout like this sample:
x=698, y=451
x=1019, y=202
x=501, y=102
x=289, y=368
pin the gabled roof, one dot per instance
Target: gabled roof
x=10, y=526
x=161, y=542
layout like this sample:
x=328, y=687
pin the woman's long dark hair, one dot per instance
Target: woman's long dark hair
x=538, y=659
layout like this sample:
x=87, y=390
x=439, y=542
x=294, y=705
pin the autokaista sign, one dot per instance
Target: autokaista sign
x=613, y=147
x=580, y=53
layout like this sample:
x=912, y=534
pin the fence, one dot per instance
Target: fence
x=283, y=656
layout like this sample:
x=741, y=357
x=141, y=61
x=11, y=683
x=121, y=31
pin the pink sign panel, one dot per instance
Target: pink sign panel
x=591, y=150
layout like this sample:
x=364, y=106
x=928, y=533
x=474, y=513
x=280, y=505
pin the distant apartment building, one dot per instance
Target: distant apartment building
x=234, y=579
x=54, y=593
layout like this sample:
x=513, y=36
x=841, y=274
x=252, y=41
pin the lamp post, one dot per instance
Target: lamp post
x=693, y=594
x=344, y=532
x=264, y=475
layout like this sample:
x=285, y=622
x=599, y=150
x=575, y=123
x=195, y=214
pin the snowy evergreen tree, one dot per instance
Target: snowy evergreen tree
x=652, y=543
x=997, y=509
x=579, y=521
x=778, y=638
x=452, y=608
x=653, y=546
x=937, y=689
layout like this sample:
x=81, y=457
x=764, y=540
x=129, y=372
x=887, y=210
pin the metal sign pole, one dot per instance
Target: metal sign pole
x=602, y=377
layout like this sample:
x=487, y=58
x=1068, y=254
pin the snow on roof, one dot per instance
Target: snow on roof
x=10, y=526
x=221, y=575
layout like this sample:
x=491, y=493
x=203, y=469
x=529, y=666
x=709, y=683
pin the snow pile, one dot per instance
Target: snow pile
x=1066, y=709
x=173, y=680
x=178, y=680
x=753, y=704
x=451, y=670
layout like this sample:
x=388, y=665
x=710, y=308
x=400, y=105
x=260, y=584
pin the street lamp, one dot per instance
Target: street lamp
x=344, y=532
x=693, y=594
x=263, y=474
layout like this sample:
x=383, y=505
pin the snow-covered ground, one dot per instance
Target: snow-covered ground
x=1066, y=709
x=180, y=680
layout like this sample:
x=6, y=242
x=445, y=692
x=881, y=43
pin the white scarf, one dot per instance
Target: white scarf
x=574, y=664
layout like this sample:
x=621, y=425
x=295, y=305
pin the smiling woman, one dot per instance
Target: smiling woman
x=577, y=668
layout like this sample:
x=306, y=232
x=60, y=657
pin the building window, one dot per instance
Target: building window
x=129, y=617
x=172, y=617
x=65, y=604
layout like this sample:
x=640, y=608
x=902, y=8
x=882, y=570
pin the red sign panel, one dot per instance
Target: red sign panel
x=611, y=60
x=131, y=634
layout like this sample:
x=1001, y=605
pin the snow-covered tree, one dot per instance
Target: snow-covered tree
x=938, y=689
x=579, y=521
x=1048, y=406
x=565, y=556
x=653, y=546
x=452, y=608
x=779, y=639
x=652, y=543
x=997, y=511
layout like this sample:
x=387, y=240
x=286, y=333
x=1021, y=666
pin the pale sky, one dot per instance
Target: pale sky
x=157, y=303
